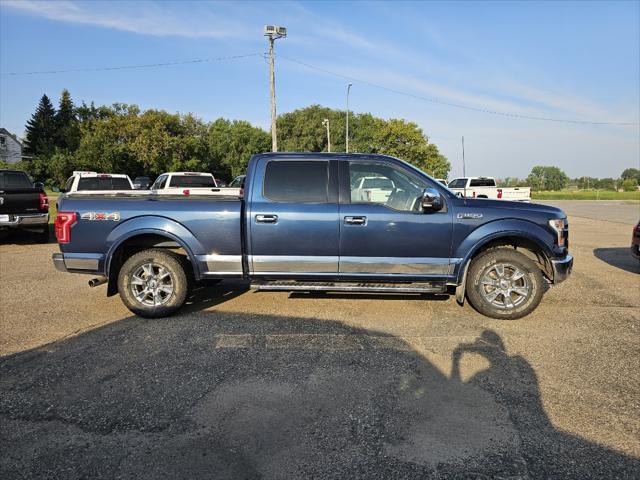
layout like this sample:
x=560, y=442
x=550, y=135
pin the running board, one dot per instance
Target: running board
x=350, y=287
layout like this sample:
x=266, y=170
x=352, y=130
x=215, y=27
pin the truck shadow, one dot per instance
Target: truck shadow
x=619, y=257
x=23, y=237
x=236, y=396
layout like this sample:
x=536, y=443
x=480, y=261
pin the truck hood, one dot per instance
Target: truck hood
x=523, y=207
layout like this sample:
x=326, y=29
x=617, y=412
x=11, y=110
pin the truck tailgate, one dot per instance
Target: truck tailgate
x=19, y=200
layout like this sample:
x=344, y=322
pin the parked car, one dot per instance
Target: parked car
x=186, y=183
x=297, y=228
x=635, y=241
x=23, y=205
x=141, y=183
x=97, y=182
x=485, y=187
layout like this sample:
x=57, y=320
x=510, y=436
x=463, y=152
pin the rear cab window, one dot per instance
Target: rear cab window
x=483, y=182
x=293, y=181
x=14, y=180
x=192, y=181
x=103, y=183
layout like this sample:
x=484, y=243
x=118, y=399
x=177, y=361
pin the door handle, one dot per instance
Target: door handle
x=266, y=218
x=355, y=220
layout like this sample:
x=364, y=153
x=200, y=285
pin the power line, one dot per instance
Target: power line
x=131, y=67
x=456, y=105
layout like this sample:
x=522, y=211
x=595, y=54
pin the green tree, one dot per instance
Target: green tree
x=231, y=144
x=547, y=178
x=302, y=130
x=630, y=185
x=631, y=173
x=41, y=130
x=67, y=134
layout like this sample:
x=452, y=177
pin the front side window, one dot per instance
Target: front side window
x=385, y=185
x=159, y=183
x=297, y=181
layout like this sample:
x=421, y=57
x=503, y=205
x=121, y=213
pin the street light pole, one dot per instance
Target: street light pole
x=273, y=33
x=325, y=122
x=347, y=133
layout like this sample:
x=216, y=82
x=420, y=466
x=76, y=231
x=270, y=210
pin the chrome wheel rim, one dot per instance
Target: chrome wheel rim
x=152, y=284
x=505, y=286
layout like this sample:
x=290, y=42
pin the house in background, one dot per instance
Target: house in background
x=10, y=147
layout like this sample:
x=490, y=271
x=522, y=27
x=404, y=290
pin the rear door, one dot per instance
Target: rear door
x=293, y=218
x=385, y=234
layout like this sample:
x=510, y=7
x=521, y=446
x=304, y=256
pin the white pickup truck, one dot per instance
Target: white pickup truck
x=485, y=187
x=189, y=183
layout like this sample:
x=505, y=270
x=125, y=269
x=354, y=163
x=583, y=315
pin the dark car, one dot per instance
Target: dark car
x=635, y=241
x=23, y=205
x=141, y=183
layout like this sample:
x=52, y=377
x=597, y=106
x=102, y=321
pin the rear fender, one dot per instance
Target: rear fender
x=156, y=225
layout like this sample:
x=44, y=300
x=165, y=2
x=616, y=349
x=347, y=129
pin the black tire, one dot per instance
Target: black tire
x=159, y=261
x=507, y=303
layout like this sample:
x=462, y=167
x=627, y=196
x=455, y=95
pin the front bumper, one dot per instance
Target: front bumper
x=562, y=269
x=26, y=220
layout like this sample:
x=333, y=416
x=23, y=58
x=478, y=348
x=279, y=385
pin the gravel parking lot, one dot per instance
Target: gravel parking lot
x=278, y=385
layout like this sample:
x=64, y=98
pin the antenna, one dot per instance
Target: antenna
x=464, y=169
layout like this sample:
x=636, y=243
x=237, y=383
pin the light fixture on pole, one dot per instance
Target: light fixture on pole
x=325, y=122
x=273, y=33
x=347, y=132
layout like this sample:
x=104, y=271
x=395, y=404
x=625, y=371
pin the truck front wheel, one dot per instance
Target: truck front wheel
x=153, y=283
x=505, y=284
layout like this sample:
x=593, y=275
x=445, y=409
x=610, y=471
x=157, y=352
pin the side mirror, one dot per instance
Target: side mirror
x=38, y=185
x=432, y=200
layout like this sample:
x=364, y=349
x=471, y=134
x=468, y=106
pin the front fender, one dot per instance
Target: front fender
x=497, y=229
x=152, y=224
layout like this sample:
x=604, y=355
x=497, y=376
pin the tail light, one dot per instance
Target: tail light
x=44, y=201
x=499, y=193
x=241, y=195
x=62, y=225
x=474, y=194
x=186, y=192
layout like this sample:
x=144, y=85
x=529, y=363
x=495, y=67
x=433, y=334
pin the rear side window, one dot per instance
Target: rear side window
x=297, y=181
x=483, y=182
x=14, y=180
x=193, y=181
x=103, y=183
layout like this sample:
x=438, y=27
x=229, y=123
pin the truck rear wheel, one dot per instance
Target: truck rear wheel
x=153, y=283
x=505, y=284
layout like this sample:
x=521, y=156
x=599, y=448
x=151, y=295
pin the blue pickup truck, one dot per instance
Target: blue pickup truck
x=318, y=222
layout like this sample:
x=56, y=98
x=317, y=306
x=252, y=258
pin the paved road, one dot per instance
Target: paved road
x=272, y=385
x=627, y=212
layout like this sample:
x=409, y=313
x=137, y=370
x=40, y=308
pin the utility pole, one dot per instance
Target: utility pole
x=347, y=133
x=464, y=168
x=325, y=122
x=273, y=33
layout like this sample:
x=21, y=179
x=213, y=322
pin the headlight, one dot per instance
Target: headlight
x=558, y=225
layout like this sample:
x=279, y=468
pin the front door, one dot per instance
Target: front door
x=383, y=230
x=294, y=227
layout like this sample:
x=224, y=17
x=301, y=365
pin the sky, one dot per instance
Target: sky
x=448, y=66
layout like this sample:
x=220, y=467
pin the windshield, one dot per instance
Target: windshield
x=193, y=181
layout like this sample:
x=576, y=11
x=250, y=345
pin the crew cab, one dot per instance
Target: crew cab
x=187, y=183
x=97, y=182
x=303, y=225
x=23, y=204
x=486, y=187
